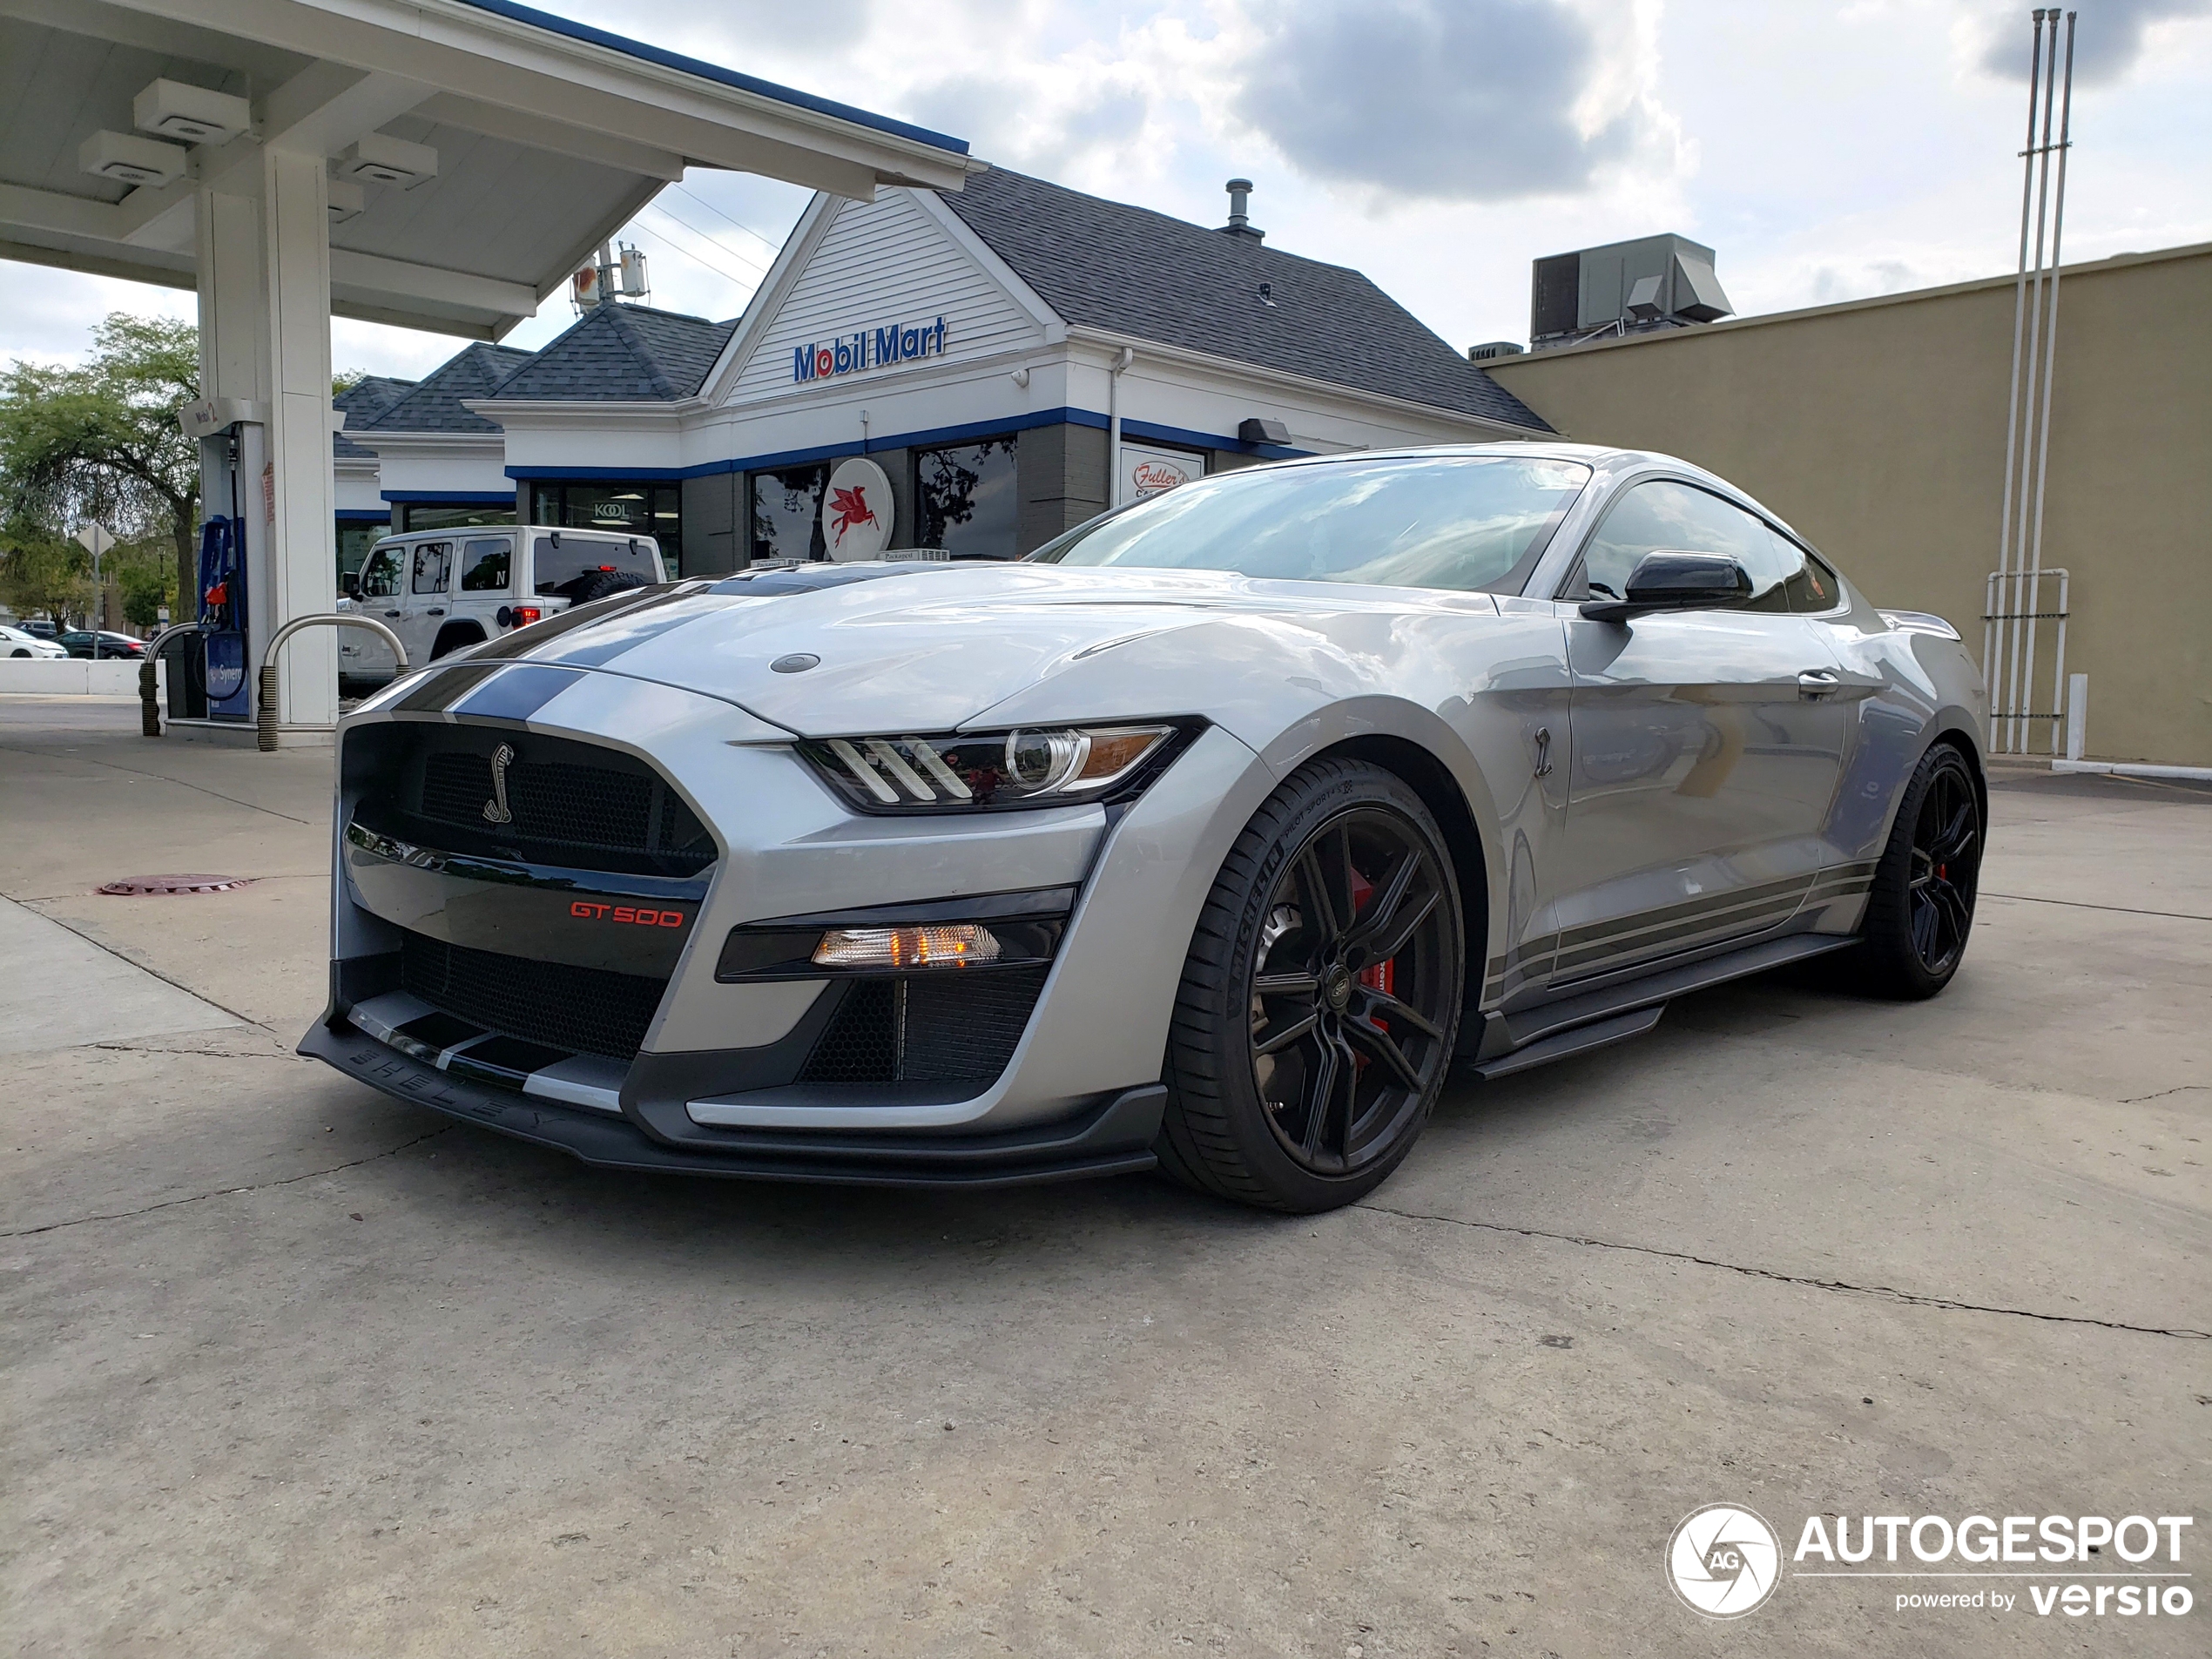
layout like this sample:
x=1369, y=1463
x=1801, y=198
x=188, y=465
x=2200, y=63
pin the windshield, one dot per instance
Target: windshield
x=1462, y=522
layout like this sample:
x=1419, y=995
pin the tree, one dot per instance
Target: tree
x=41, y=573
x=99, y=440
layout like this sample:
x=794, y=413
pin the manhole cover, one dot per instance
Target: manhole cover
x=176, y=884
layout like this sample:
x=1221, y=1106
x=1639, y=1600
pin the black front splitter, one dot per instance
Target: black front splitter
x=1113, y=1138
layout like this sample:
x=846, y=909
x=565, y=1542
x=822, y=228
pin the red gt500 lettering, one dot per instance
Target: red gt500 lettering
x=584, y=910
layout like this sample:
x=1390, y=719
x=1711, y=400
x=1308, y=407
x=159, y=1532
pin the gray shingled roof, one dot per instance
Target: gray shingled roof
x=363, y=401
x=435, y=404
x=1105, y=265
x=621, y=353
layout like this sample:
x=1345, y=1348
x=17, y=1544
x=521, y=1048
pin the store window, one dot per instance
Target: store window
x=968, y=499
x=355, y=537
x=422, y=515
x=644, y=508
x=786, y=513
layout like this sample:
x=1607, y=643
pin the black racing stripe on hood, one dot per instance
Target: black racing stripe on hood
x=516, y=692
x=443, y=685
x=523, y=641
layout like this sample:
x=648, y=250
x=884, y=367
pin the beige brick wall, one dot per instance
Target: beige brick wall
x=1877, y=428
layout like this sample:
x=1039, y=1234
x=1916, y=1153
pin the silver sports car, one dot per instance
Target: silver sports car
x=1216, y=835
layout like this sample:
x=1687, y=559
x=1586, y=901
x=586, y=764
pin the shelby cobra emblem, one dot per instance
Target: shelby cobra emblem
x=496, y=809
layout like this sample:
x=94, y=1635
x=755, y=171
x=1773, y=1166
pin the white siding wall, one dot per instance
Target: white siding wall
x=880, y=263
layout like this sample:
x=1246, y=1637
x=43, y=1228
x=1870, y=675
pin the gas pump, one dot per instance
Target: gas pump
x=222, y=617
x=231, y=442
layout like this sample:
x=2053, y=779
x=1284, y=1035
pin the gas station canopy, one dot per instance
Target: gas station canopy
x=479, y=151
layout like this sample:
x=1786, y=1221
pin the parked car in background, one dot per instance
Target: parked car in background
x=21, y=642
x=42, y=626
x=443, y=591
x=101, y=642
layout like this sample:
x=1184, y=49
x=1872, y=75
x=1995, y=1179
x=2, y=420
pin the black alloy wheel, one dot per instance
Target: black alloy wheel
x=1921, y=908
x=1321, y=999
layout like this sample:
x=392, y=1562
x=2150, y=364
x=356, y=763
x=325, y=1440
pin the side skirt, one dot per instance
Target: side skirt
x=1505, y=1043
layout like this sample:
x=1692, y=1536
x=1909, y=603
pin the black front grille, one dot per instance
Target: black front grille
x=583, y=1010
x=954, y=1028
x=567, y=803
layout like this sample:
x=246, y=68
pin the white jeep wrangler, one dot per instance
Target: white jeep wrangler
x=442, y=591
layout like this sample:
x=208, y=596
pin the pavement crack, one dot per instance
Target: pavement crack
x=1885, y=1293
x=2178, y=1089
x=2083, y=904
x=147, y=968
x=228, y=1192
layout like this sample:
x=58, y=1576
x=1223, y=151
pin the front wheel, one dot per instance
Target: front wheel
x=1315, y=1019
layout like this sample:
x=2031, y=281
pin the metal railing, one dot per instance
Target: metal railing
x=265, y=713
x=2010, y=598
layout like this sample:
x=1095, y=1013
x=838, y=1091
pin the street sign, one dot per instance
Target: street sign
x=95, y=539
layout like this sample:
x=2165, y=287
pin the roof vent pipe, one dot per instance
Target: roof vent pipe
x=1240, y=191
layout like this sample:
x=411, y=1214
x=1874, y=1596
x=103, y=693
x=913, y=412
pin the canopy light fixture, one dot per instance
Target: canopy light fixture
x=964, y=944
x=379, y=159
x=129, y=159
x=1028, y=767
x=190, y=114
x=348, y=200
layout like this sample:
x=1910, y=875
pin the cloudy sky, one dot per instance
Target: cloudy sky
x=1827, y=151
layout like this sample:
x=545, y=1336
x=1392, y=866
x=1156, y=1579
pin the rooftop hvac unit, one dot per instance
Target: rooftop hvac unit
x=1623, y=287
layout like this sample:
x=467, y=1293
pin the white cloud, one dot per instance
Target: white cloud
x=1827, y=152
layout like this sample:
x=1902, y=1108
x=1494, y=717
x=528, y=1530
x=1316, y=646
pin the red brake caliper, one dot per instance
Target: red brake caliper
x=1376, y=976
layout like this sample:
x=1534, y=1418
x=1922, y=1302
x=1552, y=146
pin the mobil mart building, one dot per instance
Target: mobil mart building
x=975, y=372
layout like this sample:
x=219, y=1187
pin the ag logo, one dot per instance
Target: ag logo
x=1724, y=1560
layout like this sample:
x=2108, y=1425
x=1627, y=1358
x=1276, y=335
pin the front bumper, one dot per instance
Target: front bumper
x=1112, y=1135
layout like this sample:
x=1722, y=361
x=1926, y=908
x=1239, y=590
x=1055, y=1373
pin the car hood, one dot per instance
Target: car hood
x=929, y=647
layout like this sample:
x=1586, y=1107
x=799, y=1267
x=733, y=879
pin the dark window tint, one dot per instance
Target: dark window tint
x=565, y=561
x=430, y=561
x=788, y=513
x=1461, y=523
x=485, y=563
x=381, y=575
x=1665, y=516
x=967, y=500
x=1812, y=587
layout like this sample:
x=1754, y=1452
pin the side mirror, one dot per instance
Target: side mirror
x=349, y=583
x=1671, y=581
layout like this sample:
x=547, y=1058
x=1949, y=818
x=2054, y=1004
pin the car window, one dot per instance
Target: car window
x=380, y=575
x=1811, y=586
x=569, y=561
x=1465, y=523
x=431, y=562
x=484, y=563
x=1662, y=515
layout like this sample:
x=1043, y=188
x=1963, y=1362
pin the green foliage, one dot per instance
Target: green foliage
x=99, y=440
x=146, y=577
x=41, y=574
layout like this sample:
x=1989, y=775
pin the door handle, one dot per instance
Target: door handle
x=391, y=613
x=1818, y=682
x=436, y=610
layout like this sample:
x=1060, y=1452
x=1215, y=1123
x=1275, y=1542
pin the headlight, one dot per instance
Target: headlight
x=1028, y=766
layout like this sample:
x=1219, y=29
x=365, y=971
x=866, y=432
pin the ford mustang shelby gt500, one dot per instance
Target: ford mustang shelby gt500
x=1215, y=835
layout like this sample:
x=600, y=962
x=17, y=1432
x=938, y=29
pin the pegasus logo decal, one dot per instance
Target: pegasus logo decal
x=496, y=809
x=849, y=509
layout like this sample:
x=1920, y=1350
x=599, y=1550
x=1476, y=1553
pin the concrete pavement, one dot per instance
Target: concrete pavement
x=294, y=1369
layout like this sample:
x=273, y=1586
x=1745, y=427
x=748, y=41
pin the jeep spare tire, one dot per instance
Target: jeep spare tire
x=597, y=584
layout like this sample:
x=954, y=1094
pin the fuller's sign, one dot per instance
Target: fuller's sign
x=867, y=348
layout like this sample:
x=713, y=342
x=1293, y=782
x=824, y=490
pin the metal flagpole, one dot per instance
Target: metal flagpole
x=2034, y=342
x=1993, y=635
x=2050, y=355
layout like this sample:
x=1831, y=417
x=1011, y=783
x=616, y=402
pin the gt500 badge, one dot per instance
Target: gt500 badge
x=584, y=910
